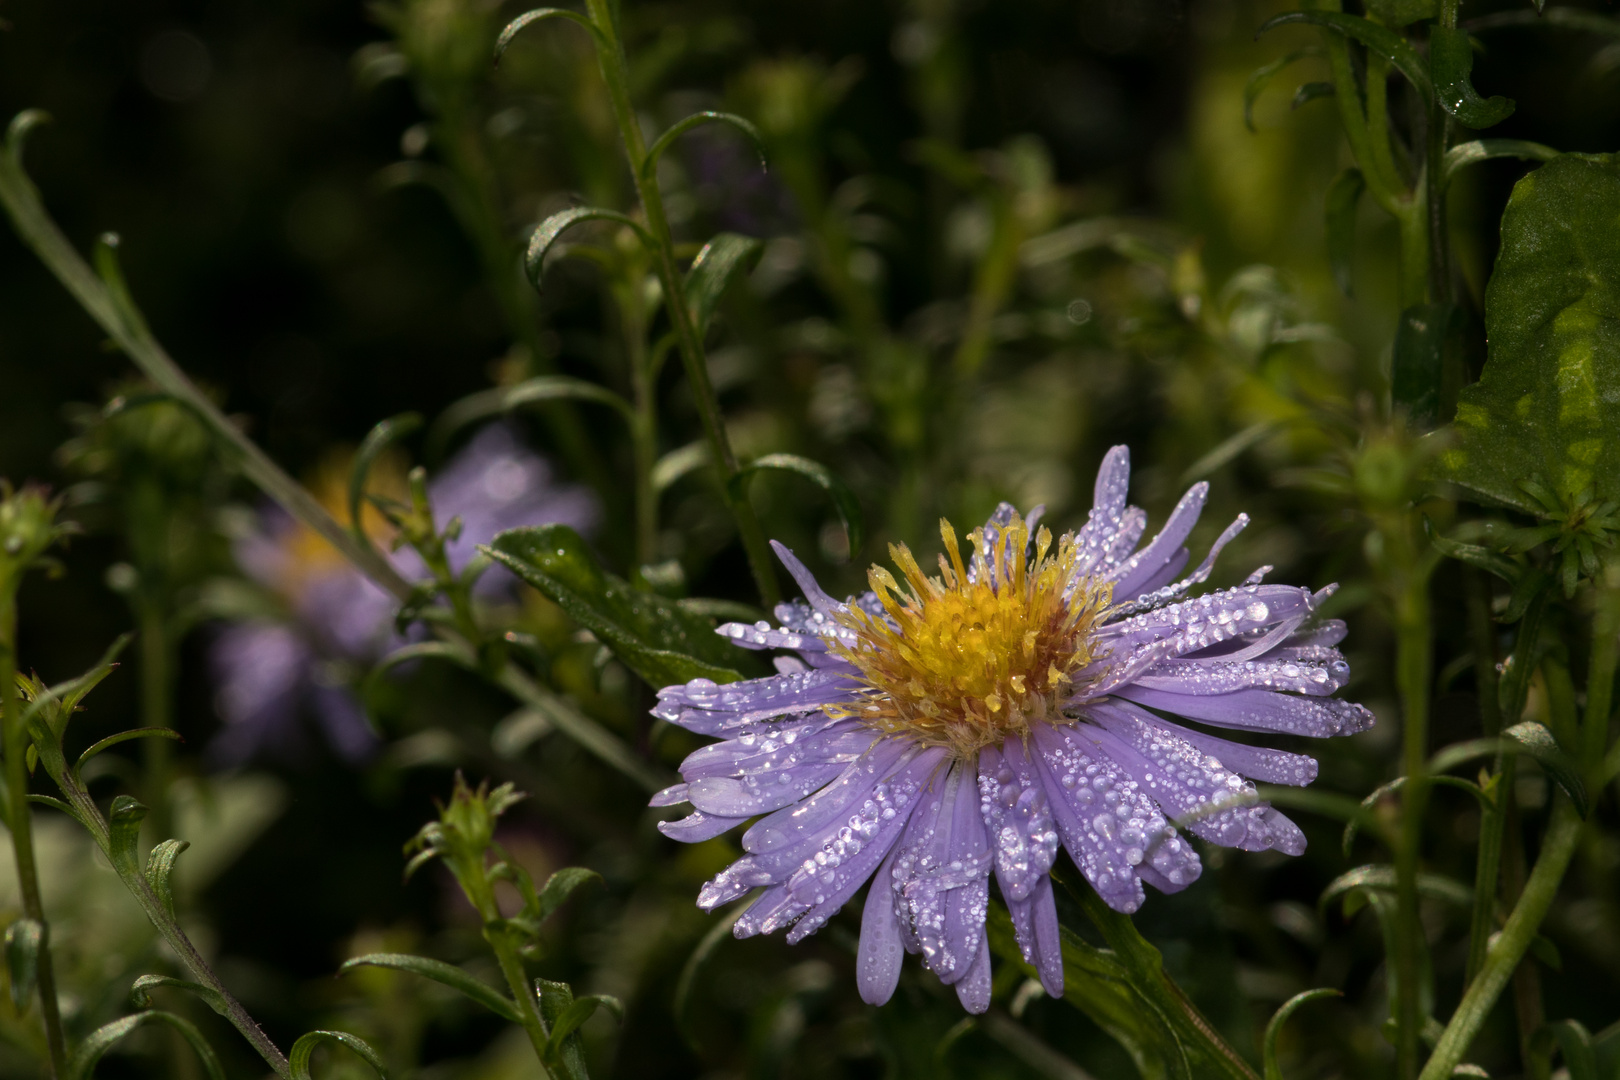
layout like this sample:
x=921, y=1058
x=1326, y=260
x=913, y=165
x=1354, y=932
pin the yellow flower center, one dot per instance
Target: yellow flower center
x=974, y=662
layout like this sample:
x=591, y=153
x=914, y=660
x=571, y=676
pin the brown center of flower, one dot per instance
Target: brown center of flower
x=975, y=662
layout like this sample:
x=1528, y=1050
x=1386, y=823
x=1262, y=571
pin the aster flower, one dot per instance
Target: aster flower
x=929, y=734
x=269, y=670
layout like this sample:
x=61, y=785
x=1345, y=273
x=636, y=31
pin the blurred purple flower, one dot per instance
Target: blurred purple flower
x=994, y=713
x=269, y=671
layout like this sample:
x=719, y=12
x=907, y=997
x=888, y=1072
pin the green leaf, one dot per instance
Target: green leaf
x=684, y=985
x=649, y=164
x=849, y=507
x=24, y=937
x=1381, y=40
x=678, y=462
x=722, y=260
x=1538, y=742
x=1451, y=59
x=1382, y=879
x=1310, y=91
x=1465, y=154
x=124, y=828
x=561, y=885
x=515, y=27
x=159, y=866
x=1428, y=342
x=1398, y=13
x=1262, y=78
x=1475, y=555
x=141, y=992
x=577, y=1012
x=378, y=439
x=504, y=399
x=1342, y=198
x=1544, y=408
x=546, y=233
x=1364, y=813
x=299, y=1057
x=126, y=736
x=99, y=1041
x=1280, y=1017
x=565, y=1056
x=441, y=972
x=1575, y=1042
x=653, y=635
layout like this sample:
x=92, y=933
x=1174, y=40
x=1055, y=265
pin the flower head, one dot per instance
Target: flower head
x=267, y=669
x=928, y=734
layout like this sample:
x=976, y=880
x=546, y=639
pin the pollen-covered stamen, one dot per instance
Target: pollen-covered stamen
x=968, y=664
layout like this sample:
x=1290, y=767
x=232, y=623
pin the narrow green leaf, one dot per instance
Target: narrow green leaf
x=1398, y=13
x=721, y=261
x=678, y=462
x=1475, y=555
x=501, y=400
x=441, y=972
x=1381, y=40
x=141, y=992
x=126, y=736
x=1544, y=408
x=1310, y=91
x=1427, y=339
x=1382, y=879
x=546, y=233
x=105, y=258
x=379, y=438
x=301, y=1051
x=1539, y=743
x=515, y=27
x=1342, y=199
x=1365, y=813
x=1465, y=154
x=160, y=867
x=653, y=635
x=1280, y=1017
x=1262, y=78
x=22, y=125
x=706, y=946
x=561, y=885
x=83, y=1063
x=1576, y=1044
x=579, y=1011
x=24, y=937
x=124, y=820
x=1451, y=59
x=848, y=506
x=649, y=164
x=566, y=1056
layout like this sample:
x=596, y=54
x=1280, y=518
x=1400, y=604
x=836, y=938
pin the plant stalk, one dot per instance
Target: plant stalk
x=616, y=74
x=1520, y=930
x=19, y=818
x=1488, y=860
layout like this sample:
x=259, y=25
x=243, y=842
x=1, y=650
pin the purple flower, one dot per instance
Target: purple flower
x=927, y=735
x=269, y=670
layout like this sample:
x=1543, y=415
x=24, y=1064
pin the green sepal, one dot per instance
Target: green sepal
x=24, y=939
x=1451, y=59
x=99, y=1041
x=842, y=495
x=652, y=635
x=141, y=992
x=440, y=972
x=1274, y=1028
x=160, y=867
x=298, y=1057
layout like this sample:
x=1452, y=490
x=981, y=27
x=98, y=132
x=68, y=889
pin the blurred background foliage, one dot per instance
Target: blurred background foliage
x=998, y=238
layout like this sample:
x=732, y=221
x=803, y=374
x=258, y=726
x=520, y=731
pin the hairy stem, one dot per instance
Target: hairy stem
x=616, y=74
x=1520, y=930
x=1413, y=661
x=20, y=820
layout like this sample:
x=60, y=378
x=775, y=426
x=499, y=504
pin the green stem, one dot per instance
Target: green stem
x=1600, y=676
x=1413, y=662
x=523, y=994
x=156, y=684
x=1481, y=634
x=1528, y=1013
x=20, y=820
x=615, y=73
x=1520, y=930
x=644, y=402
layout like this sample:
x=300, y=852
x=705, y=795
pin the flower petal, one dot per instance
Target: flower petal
x=877, y=966
x=942, y=874
x=698, y=826
x=1013, y=801
x=795, y=825
x=974, y=987
x=1260, y=710
x=1035, y=925
x=1131, y=577
x=1255, y=762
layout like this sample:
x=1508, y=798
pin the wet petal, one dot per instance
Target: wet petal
x=1260, y=710
x=1013, y=802
x=698, y=826
x=1255, y=762
x=973, y=989
x=1035, y=925
x=944, y=852
x=1131, y=578
x=877, y=966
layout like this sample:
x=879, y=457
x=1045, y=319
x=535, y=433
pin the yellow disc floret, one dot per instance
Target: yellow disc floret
x=973, y=663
